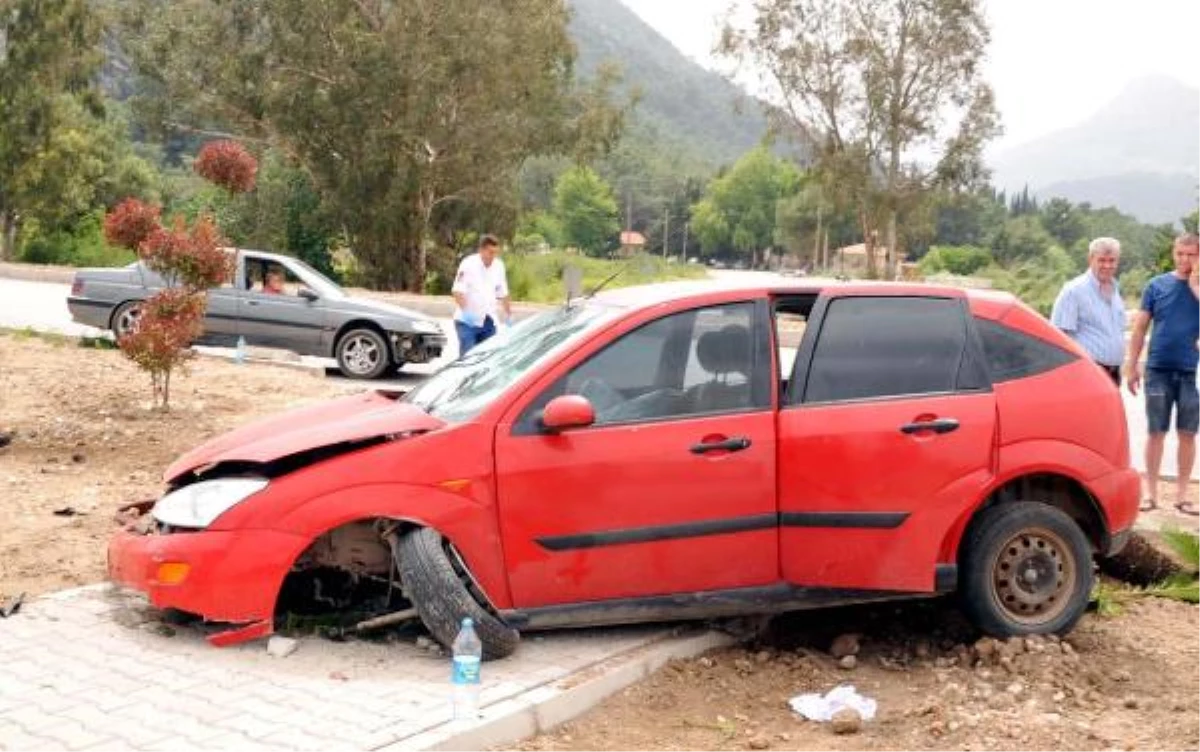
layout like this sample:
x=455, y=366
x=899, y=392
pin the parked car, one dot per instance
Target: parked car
x=676, y=451
x=310, y=315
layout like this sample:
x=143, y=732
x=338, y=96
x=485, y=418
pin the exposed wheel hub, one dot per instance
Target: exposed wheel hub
x=1034, y=575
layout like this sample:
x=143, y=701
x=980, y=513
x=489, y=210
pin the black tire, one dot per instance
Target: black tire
x=442, y=598
x=125, y=318
x=1026, y=569
x=362, y=354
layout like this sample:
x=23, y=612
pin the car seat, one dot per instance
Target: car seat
x=726, y=355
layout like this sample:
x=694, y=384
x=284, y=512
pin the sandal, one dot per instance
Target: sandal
x=1148, y=505
x=1187, y=507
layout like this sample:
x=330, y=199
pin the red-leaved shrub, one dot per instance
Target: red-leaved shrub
x=130, y=223
x=167, y=324
x=227, y=164
x=192, y=258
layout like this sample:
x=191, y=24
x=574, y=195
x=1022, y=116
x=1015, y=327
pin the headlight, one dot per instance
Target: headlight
x=197, y=505
x=426, y=327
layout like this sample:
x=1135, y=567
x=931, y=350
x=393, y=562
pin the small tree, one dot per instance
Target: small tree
x=190, y=261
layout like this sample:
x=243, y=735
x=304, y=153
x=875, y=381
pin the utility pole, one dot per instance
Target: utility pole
x=666, y=228
x=686, y=225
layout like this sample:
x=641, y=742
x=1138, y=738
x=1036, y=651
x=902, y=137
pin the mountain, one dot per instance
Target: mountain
x=695, y=107
x=1139, y=153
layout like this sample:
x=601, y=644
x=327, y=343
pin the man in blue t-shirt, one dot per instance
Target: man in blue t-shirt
x=1170, y=301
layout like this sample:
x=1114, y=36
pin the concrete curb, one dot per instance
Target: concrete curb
x=542, y=709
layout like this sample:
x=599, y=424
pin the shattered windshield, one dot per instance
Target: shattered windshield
x=463, y=388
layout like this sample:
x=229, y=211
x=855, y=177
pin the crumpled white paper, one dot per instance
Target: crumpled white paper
x=816, y=707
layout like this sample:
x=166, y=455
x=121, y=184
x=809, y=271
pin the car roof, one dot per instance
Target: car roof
x=645, y=296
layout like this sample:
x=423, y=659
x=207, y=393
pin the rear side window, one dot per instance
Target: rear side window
x=1014, y=355
x=882, y=347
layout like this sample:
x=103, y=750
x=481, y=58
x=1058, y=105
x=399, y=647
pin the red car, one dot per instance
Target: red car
x=676, y=451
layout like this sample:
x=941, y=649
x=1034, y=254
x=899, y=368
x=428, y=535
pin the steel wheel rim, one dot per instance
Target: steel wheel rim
x=361, y=354
x=1033, y=576
x=126, y=320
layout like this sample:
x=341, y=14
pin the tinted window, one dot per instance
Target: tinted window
x=701, y=361
x=1013, y=355
x=879, y=347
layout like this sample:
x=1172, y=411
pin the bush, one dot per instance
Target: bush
x=167, y=324
x=961, y=260
x=84, y=245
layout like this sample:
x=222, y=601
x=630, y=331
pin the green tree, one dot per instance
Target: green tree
x=1165, y=241
x=864, y=84
x=1062, y=220
x=586, y=210
x=412, y=118
x=739, y=209
x=49, y=49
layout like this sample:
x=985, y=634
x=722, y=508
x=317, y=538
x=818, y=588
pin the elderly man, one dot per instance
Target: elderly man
x=1171, y=306
x=1090, y=311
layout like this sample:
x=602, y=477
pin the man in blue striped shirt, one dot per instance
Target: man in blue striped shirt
x=1089, y=308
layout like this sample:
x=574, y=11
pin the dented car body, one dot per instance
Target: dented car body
x=677, y=451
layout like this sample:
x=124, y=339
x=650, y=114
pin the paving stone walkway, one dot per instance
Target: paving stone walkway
x=94, y=668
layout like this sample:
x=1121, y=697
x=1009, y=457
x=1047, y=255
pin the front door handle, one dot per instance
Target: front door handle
x=941, y=425
x=735, y=444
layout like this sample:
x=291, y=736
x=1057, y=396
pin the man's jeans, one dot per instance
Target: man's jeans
x=469, y=336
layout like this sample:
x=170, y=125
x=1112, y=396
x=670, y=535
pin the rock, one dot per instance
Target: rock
x=944, y=662
x=985, y=647
x=759, y=742
x=1059, y=696
x=844, y=645
x=743, y=665
x=762, y=656
x=922, y=650
x=78, y=457
x=424, y=643
x=846, y=721
x=1015, y=688
x=706, y=662
x=937, y=728
x=1131, y=703
x=1001, y=701
x=281, y=647
x=848, y=662
x=1016, y=645
x=953, y=726
x=1008, y=665
x=1122, y=676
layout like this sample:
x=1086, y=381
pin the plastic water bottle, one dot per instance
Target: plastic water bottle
x=240, y=355
x=468, y=655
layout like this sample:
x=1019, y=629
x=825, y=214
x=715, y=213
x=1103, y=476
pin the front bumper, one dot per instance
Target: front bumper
x=416, y=348
x=226, y=576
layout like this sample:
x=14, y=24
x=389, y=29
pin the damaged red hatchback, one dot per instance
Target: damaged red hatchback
x=677, y=451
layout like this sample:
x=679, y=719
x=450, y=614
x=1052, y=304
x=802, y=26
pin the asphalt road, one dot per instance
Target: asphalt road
x=42, y=306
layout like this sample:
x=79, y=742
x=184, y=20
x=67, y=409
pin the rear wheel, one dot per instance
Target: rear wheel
x=1027, y=569
x=125, y=318
x=362, y=354
x=440, y=593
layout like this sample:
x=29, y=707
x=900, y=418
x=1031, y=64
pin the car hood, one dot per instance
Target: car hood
x=349, y=419
x=366, y=305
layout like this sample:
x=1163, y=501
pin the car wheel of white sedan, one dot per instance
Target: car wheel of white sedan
x=362, y=354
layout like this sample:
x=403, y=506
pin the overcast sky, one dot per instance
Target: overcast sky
x=1052, y=62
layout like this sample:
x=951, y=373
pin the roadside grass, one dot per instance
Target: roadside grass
x=538, y=277
x=102, y=342
x=1111, y=598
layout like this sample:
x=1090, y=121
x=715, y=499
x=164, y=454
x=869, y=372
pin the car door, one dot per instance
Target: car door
x=283, y=319
x=221, y=312
x=671, y=490
x=886, y=439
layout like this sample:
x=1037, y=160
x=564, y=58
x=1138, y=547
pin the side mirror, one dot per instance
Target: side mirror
x=308, y=294
x=568, y=411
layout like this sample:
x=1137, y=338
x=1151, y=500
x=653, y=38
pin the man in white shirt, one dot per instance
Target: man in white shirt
x=480, y=295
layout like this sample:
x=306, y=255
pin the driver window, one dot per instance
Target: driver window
x=271, y=278
x=690, y=363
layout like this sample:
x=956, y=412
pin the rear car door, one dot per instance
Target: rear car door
x=886, y=437
x=671, y=490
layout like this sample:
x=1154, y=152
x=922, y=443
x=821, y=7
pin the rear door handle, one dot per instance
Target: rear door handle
x=736, y=444
x=941, y=425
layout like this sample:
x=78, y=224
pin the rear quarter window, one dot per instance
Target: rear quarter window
x=1012, y=354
